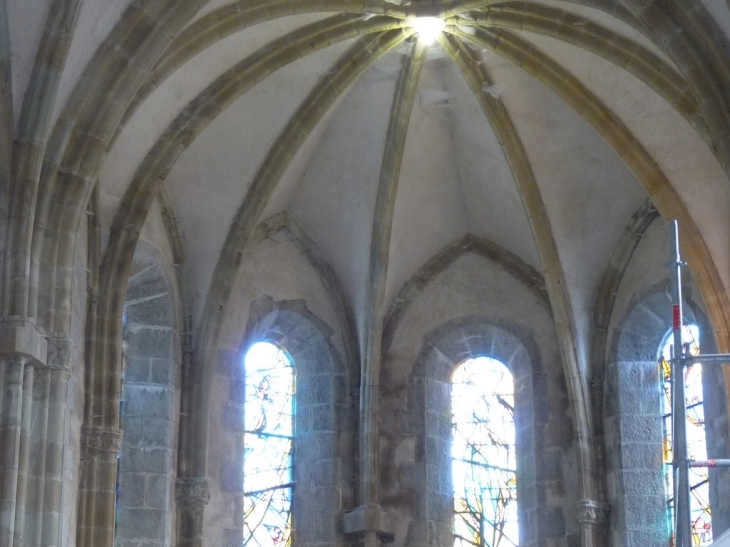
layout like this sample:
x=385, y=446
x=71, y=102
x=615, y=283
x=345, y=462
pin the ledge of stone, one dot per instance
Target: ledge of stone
x=23, y=338
x=368, y=518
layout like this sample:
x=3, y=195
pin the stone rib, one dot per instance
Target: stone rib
x=530, y=278
x=633, y=57
x=348, y=69
x=78, y=143
x=372, y=330
x=516, y=155
x=181, y=133
x=633, y=153
x=7, y=132
x=603, y=309
x=33, y=128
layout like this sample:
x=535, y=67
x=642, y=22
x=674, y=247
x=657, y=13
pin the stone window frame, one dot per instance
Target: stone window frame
x=428, y=417
x=149, y=416
x=633, y=420
x=321, y=464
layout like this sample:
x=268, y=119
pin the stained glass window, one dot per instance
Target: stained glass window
x=696, y=439
x=268, y=443
x=483, y=455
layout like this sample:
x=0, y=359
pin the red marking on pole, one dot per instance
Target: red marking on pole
x=704, y=463
x=676, y=317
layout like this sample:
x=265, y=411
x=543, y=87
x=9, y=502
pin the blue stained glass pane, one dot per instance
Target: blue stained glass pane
x=700, y=510
x=268, y=442
x=483, y=455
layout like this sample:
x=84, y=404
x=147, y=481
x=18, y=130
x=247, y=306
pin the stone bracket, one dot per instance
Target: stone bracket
x=592, y=512
x=101, y=440
x=192, y=490
x=368, y=518
x=24, y=339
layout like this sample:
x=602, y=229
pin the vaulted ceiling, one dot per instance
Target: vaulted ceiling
x=541, y=126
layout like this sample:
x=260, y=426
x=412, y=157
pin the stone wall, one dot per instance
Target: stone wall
x=149, y=411
x=321, y=486
x=281, y=299
x=475, y=307
x=632, y=399
x=429, y=419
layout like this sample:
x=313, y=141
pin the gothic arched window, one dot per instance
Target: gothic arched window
x=696, y=436
x=268, y=442
x=483, y=454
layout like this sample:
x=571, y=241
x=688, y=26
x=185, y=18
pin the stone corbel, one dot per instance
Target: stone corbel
x=366, y=519
x=192, y=495
x=21, y=338
x=190, y=491
x=101, y=440
x=592, y=513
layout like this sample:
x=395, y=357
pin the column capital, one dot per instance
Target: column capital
x=101, y=440
x=592, y=512
x=369, y=519
x=192, y=490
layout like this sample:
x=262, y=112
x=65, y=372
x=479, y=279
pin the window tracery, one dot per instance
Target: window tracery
x=483, y=455
x=700, y=509
x=268, y=443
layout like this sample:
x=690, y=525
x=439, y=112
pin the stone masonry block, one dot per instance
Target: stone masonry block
x=320, y=474
x=315, y=359
x=163, y=372
x=237, y=392
x=437, y=396
x=152, y=284
x=148, y=402
x=553, y=521
x=303, y=418
x=147, y=523
x=638, y=483
x=550, y=466
x=646, y=456
x=136, y=370
x=231, y=477
x=132, y=489
x=635, y=346
x=157, y=491
x=151, y=342
x=157, y=433
x=227, y=362
x=641, y=428
x=232, y=537
x=145, y=460
x=323, y=418
x=132, y=428
x=232, y=418
x=155, y=311
x=314, y=446
x=315, y=390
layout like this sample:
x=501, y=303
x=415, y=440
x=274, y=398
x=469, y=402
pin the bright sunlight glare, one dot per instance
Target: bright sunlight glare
x=428, y=29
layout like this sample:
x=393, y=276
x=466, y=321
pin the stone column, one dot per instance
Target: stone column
x=593, y=519
x=23, y=348
x=10, y=429
x=192, y=495
x=97, y=491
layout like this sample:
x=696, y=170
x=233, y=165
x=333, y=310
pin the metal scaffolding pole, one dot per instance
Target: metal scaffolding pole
x=682, y=526
x=681, y=359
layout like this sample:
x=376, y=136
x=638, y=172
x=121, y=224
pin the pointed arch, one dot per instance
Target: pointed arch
x=633, y=419
x=408, y=293
x=429, y=419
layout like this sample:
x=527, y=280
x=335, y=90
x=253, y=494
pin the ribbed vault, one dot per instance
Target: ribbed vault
x=396, y=127
x=530, y=132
